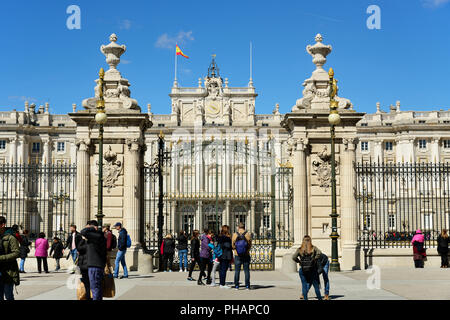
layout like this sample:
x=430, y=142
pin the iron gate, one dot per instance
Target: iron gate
x=394, y=200
x=38, y=197
x=208, y=184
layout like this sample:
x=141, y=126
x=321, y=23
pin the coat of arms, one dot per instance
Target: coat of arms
x=322, y=168
x=112, y=169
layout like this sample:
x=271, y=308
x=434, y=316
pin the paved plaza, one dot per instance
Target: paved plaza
x=396, y=284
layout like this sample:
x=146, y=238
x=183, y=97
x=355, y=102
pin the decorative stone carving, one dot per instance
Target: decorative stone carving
x=322, y=168
x=276, y=111
x=291, y=145
x=349, y=143
x=316, y=92
x=214, y=87
x=117, y=92
x=134, y=144
x=83, y=144
x=112, y=169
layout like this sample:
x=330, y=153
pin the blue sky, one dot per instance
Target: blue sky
x=407, y=60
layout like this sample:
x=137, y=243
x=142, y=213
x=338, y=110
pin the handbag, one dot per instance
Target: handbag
x=108, y=285
x=81, y=291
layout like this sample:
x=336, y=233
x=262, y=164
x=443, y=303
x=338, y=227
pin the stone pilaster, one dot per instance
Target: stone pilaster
x=13, y=150
x=132, y=189
x=300, y=192
x=83, y=196
x=349, y=214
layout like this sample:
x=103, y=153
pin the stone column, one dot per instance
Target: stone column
x=226, y=220
x=378, y=151
x=46, y=157
x=251, y=227
x=13, y=150
x=349, y=214
x=300, y=193
x=435, y=150
x=132, y=189
x=83, y=195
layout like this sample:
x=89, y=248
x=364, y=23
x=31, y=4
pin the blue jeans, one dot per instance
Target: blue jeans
x=238, y=262
x=326, y=281
x=120, y=259
x=307, y=281
x=74, y=254
x=182, y=255
x=95, y=282
x=22, y=264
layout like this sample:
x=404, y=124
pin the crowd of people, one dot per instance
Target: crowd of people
x=211, y=252
x=90, y=250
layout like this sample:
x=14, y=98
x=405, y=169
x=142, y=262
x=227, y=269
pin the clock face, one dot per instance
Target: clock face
x=213, y=108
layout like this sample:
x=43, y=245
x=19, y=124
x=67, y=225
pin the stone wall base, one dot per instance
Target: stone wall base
x=398, y=258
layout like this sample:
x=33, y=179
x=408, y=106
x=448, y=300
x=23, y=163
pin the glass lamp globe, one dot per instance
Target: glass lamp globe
x=334, y=119
x=101, y=118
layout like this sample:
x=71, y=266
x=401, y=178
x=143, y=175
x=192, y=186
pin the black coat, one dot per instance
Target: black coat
x=24, y=248
x=57, y=250
x=442, y=245
x=169, y=246
x=225, y=245
x=69, y=240
x=182, y=242
x=96, y=247
x=122, y=240
x=82, y=255
x=195, y=248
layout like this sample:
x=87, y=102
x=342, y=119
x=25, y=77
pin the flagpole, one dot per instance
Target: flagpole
x=250, y=83
x=175, y=82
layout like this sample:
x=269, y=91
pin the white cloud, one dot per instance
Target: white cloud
x=22, y=98
x=124, y=61
x=125, y=24
x=434, y=3
x=168, y=42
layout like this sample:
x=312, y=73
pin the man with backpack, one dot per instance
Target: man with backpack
x=111, y=243
x=123, y=242
x=241, y=244
x=9, y=252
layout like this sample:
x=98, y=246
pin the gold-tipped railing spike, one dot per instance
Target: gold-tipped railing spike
x=101, y=101
x=246, y=141
x=161, y=134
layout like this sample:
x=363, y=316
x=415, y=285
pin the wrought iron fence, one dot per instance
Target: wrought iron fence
x=208, y=184
x=38, y=197
x=394, y=200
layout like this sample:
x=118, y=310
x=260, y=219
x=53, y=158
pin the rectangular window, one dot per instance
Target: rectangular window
x=61, y=146
x=388, y=146
x=391, y=221
x=447, y=144
x=161, y=125
x=364, y=146
x=363, y=124
x=388, y=124
x=2, y=122
x=422, y=144
x=446, y=121
x=427, y=221
x=61, y=125
x=36, y=147
x=265, y=124
x=2, y=144
x=422, y=121
x=266, y=222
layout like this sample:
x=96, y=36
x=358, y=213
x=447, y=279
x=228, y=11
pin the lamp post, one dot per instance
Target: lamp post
x=100, y=118
x=334, y=119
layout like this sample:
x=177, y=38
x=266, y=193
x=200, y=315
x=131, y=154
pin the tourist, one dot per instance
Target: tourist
x=41, y=252
x=182, y=247
x=241, y=244
x=168, y=250
x=111, y=243
x=72, y=242
x=96, y=257
x=307, y=255
x=83, y=266
x=195, y=253
x=323, y=266
x=419, y=250
x=24, y=250
x=9, y=271
x=205, y=257
x=442, y=248
x=122, y=244
x=57, y=249
x=216, y=252
x=224, y=241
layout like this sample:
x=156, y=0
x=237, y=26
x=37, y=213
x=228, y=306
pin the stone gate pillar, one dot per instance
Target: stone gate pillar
x=83, y=195
x=309, y=145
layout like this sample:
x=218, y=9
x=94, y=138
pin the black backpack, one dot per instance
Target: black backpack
x=307, y=262
x=113, y=242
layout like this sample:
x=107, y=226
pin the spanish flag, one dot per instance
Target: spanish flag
x=180, y=53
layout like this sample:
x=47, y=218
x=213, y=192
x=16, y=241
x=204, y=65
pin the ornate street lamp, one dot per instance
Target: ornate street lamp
x=100, y=118
x=334, y=119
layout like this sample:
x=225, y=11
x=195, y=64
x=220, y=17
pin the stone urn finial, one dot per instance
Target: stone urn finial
x=113, y=51
x=319, y=52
